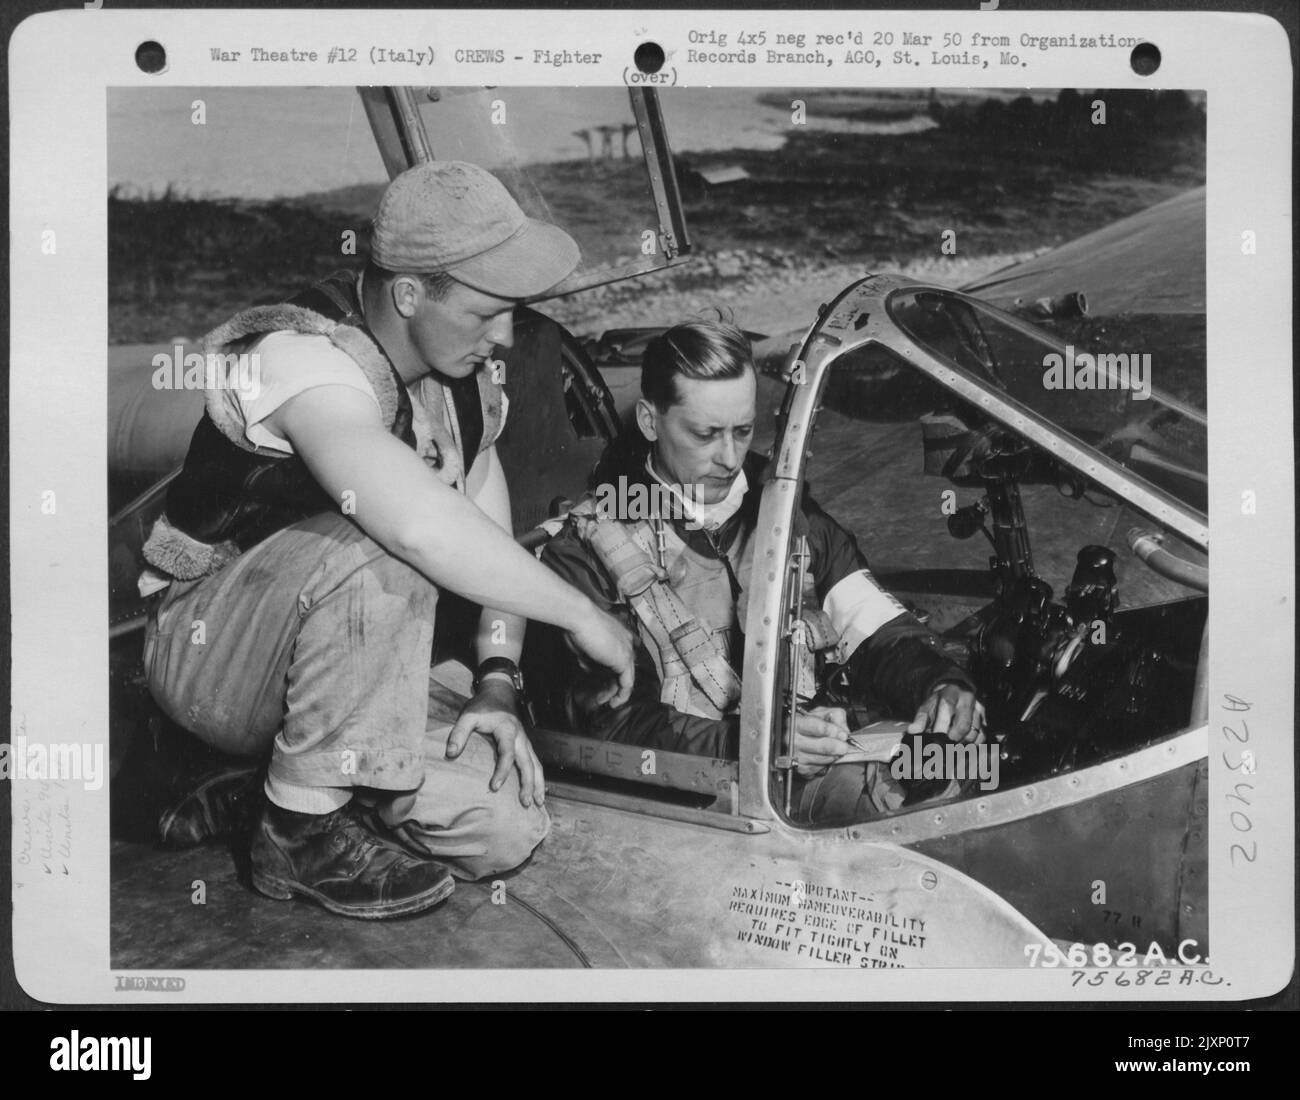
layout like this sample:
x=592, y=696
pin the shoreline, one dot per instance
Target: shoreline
x=1006, y=180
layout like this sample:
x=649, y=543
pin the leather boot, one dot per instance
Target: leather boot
x=214, y=807
x=339, y=862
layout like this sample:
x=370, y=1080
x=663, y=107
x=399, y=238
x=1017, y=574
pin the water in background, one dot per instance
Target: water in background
x=242, y=149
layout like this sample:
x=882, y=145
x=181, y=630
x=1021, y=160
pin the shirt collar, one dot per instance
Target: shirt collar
x=708, y=517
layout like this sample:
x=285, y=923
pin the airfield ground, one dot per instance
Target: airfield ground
x=1009, y=179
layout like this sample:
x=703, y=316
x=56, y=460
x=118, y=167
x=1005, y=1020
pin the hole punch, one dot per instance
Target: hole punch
x=151, y=57
x=649, y=57
x=1145, y=58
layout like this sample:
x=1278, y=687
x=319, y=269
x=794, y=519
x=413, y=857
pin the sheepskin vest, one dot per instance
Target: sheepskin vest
x=231, y=494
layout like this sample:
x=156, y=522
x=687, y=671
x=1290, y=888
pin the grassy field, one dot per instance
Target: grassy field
x=1005, y=176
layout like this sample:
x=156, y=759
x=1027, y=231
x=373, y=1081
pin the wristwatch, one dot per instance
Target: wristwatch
x=499, y=666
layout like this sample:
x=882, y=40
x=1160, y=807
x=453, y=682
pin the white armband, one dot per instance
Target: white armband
x=858, y=607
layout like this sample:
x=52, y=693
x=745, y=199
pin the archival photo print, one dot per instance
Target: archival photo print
x=635, y=527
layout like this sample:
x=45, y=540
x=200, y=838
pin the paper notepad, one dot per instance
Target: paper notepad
x=878, y=742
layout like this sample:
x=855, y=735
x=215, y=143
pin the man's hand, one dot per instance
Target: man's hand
x=492, y=713
x=604, y=641
x=820, y=738
x=951, y=709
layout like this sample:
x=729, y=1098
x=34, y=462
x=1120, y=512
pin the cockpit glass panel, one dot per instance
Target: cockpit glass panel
x=1132, y=387
x=1020, y=569
x=568, y=156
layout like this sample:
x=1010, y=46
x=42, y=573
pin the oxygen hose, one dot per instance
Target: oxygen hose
x=1148, y=547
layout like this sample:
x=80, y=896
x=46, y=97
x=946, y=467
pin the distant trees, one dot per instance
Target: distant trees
x=1130, y=121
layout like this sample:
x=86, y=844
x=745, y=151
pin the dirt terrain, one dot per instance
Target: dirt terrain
x=1009, y=179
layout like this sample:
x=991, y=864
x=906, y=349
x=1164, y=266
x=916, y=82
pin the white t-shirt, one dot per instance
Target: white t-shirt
x=291, y=362
x=287, y=364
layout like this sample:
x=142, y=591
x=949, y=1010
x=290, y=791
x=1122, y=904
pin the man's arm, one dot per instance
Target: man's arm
x=500, y=634
x=571, y=691
x=403, y=506
x=494, y=709
x=892, y=657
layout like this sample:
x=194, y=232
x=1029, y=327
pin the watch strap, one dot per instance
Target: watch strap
x=500, y=666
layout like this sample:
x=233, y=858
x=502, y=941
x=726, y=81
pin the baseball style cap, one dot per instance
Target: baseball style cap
x=454, y=217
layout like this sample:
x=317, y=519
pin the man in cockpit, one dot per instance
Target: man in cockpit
x=677, y=571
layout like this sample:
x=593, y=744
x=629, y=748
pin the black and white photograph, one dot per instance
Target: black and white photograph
x=759, y=475
x=723, y=503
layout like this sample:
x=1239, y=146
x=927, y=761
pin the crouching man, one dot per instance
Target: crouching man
x=665, y=572
x=305, y=540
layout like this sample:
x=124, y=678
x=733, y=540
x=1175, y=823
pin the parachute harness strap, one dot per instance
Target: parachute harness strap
x=685, y=649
